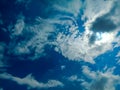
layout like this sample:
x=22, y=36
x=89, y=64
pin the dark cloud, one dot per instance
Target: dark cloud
x=92, y=38
x=103, y=24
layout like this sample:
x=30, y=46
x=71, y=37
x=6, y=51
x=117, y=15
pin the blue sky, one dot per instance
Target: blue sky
x=59, y=45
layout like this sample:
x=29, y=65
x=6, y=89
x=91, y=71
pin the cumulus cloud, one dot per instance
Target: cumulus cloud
x=101, y=27
x=100, y=80
x=31, y=83
x=77, y=47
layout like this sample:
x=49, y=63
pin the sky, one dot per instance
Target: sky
x=59, y=44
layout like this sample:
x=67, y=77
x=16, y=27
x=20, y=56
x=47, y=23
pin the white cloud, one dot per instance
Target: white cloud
x=74, y=78
x=95, y=8
x=34, y=38
x=118, y=55
x=101, y=15
x=19, y=26
x=100, y=80
x=69, y=7
x=74, y=45
x=31, y=83
x=92, y=43
x=77, y=47
x=118, y=58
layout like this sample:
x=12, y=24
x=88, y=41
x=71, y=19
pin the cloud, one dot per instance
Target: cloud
x=72, y=6
x=74, y=78
x=100, y=80
x=1, y=89
x=62, y=31
x=63, y=67
x=101, y=28
x=92, y=9
x=118, y=58
x=3, y=58
x=19, y=26
x=23, y=2
x=76, y=46
x=31, y=83
x=103, y=24
x=27, y=39
x=118, y=55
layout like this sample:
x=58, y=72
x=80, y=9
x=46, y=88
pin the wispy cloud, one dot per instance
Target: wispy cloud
x=62, y=31
x=72, y=6
x=28, y=38
x=31, y=83
x=118, y=55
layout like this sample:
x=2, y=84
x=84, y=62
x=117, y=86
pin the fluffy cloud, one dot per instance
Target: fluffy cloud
x=101, y=28
x=77, y=47
x=100, y=80
x=31, y=83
